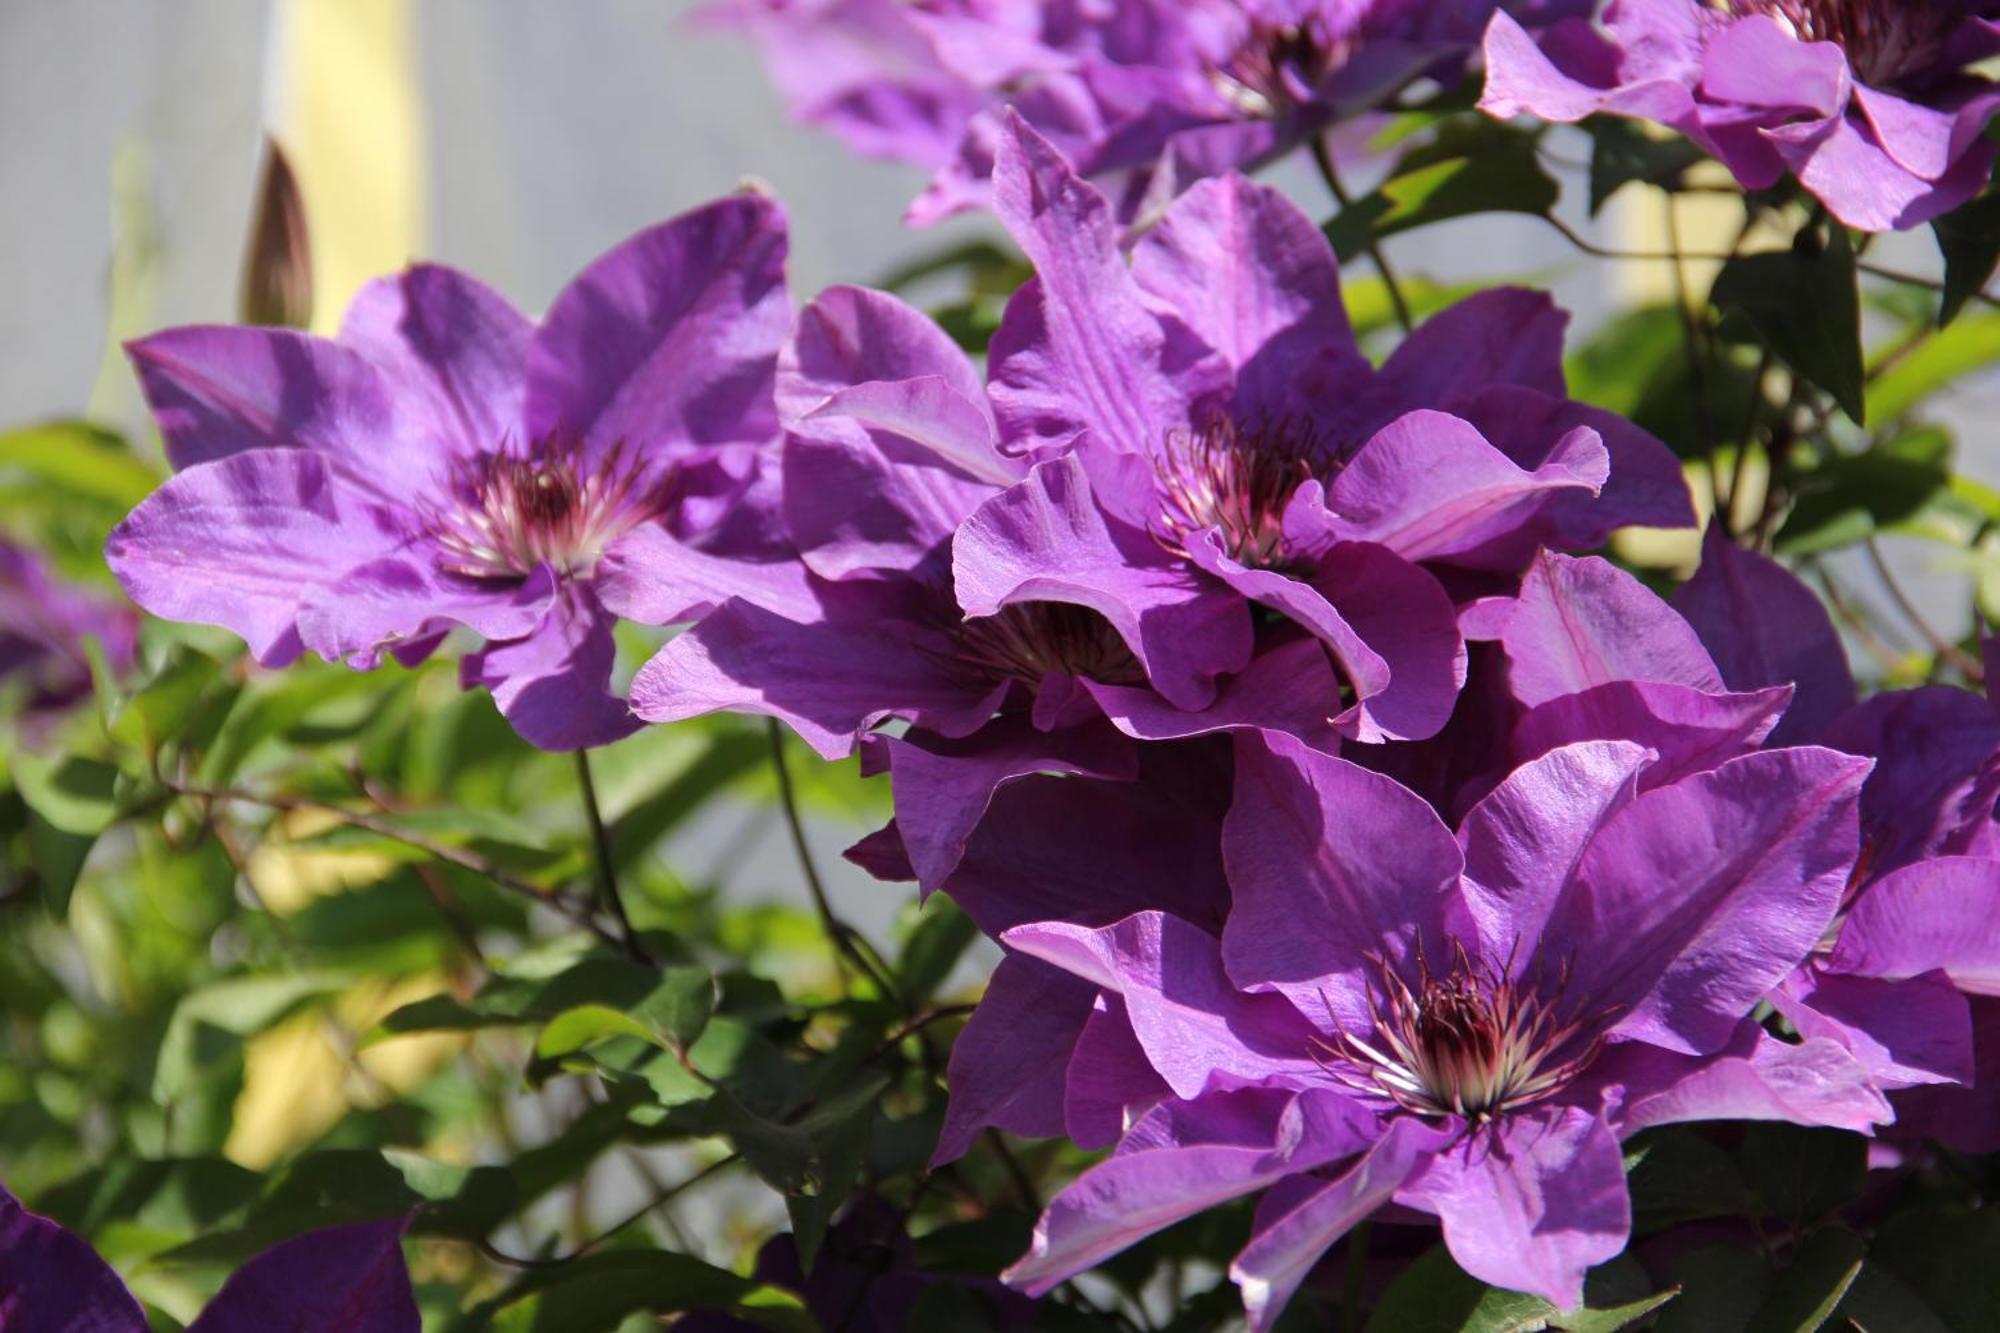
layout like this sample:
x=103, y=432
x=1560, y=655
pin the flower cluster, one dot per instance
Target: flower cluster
x=1354, y=840
x=1874, y=105
x=1145, y=96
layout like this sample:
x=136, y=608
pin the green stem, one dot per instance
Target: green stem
x=1324, y=161
x=607, y=876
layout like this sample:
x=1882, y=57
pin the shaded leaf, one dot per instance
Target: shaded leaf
x=1969, y=239
x=1806, y=308
x=1806, y=1293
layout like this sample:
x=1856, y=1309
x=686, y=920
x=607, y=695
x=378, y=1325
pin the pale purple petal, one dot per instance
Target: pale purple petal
x=671, y=338
x=1080, y=352
x=1699, y=898
x=851, y=335
x=349, y=1279
x=1754, y=1077
x=454, y=342
x=1251, y=1140
x=1286, y=1243
x=1198, y=1030
x=1046, y=539
x=1330, y=865
x=52, y=1280
x=1941, y=913
x=1534, y=1205
x=1525, y=839
x=1583, y=623
x=554, y=685
x=868, y=656
x=1252, y=276
x=218, y=391
x=1429, y=487
x=240, y=541
x=1764, y=627
x=1025, y=1027
x=651, y=577
x=1689, y=729
x=1914, y=1030
x=400, y=598
x=1288, y=689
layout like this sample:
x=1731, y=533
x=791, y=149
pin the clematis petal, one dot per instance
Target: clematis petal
x=1535, y=1206
x=453, y=342
x=1913, y=1030
x=1046, y=539
x=651, y=577
x=1504, y=335
x=1026, y=1024
x=51, y=1279
x=1754, y=1076
x=400, y=598
x=1688, y=729
x=1764, y=627
x=554, y=685
x=1252, y=276
x=349, y=1279
x=1110, y=1082
x=1330, y=866
x=238, y=542
x=671, y=338
x=1197, y=1029
x=1941, y=913
x=1698, y=898
x=1583, y=623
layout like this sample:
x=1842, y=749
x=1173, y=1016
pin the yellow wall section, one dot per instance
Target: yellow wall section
x=346, y=105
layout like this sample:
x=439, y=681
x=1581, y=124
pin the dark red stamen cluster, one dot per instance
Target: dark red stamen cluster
x=548, y=503
x=1237, y=480
x=1029, y=640
x=1472, y=1043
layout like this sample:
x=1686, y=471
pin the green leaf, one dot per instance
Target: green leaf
x=1807, y=309
x=1806, y=1294
x=1879, y=1302
x=1969, y=240
x=1682, y=1177
x=182, y=1197
x=1475, y=168
x=80, y=461
x=1721, y=1288
x=72, y=793
x=1434, y=1295
x=592, y=1294
x=1944, y=1253
x=209, y=1024
x=1799, y=1174
x=942, y=936
x=665, y=1001
x=1967, y=346
x=1854, y=496
x=1622, y=152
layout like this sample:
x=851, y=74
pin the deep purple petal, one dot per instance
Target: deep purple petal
x=1287, y=688
x=349, y=1279
x=1696, y=899
x=1917, y=1029
x=1937, y=773
x=1504, y=335
x=1583, y=623
x=1046, y=539
x=942, y=788
x=1198, y=1030
x=1110, y=1082
x=554, y=685
x=52, y=1280
x=454, y=342
x=240, y=541
x=1966, y=1119
x=1331, y=866
x=671, y=338
x=1764, y=627
x=1001, y=1064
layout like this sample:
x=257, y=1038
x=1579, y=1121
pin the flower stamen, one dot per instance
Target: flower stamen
x=512, y=510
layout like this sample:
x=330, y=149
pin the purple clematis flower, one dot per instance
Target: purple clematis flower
x=1463, y=1025
x=444, y=462
x=1871, y=104
x=348, y=1279
x=44, y=621
x=1145, y=96
x=1212, y=441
